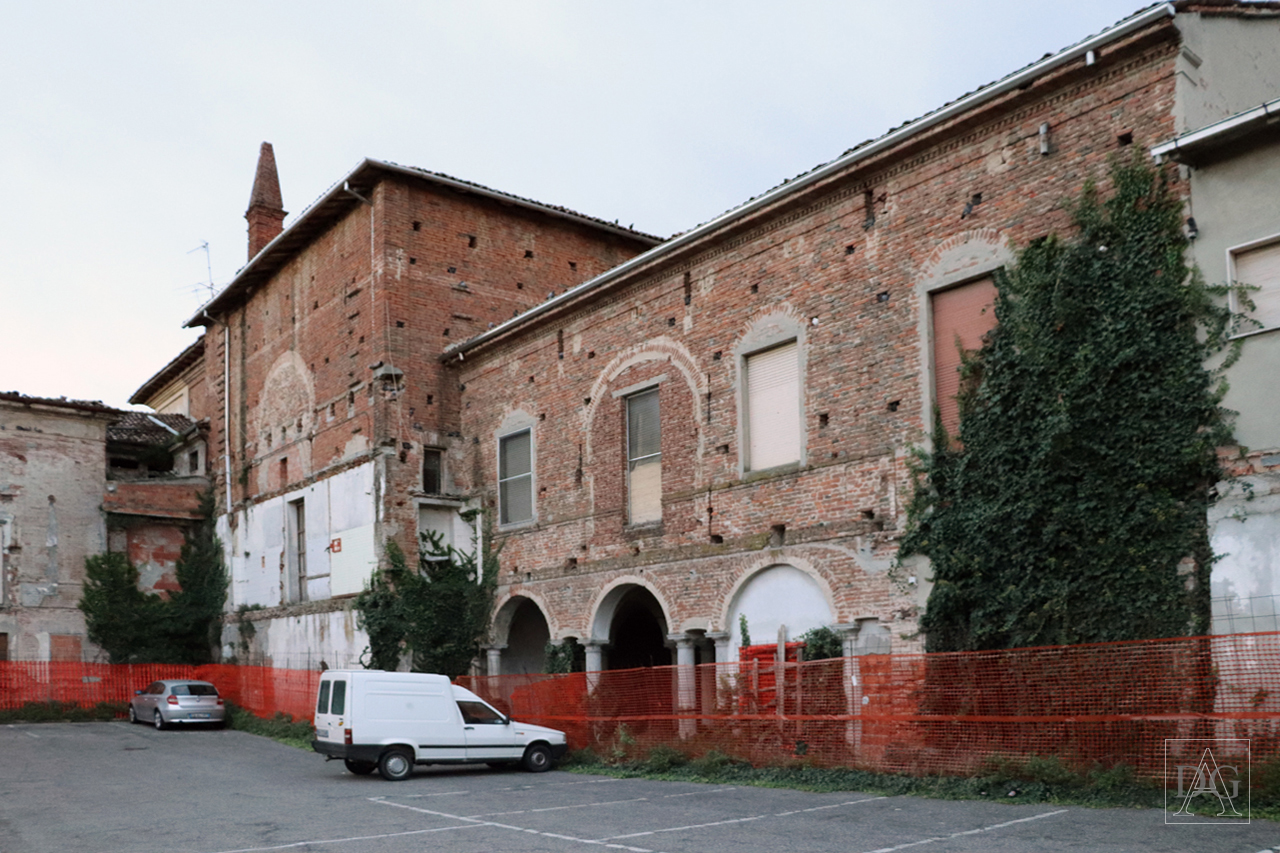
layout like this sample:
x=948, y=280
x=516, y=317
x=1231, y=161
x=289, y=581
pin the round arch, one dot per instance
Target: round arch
x=632, y=622
x=522, y=625
x=776, y=594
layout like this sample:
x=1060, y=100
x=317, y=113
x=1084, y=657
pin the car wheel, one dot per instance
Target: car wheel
x=159, y=720
x=537, y=758
x=133, y=715
x=360, y=768
x=395, y=764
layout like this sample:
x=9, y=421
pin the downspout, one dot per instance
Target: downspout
x=226, y=405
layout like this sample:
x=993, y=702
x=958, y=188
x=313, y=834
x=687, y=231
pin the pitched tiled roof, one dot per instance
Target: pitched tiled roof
x=138, y=428
x=92, y=406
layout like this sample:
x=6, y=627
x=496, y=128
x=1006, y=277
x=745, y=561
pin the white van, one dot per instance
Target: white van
x=390, y=721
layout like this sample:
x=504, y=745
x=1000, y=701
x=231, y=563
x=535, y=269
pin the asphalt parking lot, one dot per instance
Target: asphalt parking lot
x=112, y=788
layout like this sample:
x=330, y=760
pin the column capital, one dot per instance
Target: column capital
x=682, y=639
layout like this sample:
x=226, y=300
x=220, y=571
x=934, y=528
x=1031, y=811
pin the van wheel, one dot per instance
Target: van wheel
x=360, y=768
x=537, y=758
x=395, y=764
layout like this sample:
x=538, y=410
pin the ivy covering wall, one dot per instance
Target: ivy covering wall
x=1071, y=506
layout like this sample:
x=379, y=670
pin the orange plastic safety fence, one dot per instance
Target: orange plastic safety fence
x=1104, y=704
x=262, y=690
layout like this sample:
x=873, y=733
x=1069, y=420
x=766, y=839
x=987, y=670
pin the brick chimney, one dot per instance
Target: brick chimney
x=266, y=210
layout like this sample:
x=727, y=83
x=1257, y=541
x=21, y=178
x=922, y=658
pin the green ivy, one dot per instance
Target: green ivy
x=132, y=626
x=437, y=615
x=565, y=656
x=1086, y=456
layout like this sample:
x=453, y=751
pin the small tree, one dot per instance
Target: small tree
x=116, y=613
x=196, y=608
x=1088, y=430
x=437, y=615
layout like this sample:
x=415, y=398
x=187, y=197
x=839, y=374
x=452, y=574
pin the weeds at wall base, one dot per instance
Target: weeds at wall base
x=63, y=712
x=1034, y=780
x=282, y=727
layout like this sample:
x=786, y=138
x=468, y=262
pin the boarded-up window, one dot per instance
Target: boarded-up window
x=64, y=647
x=515, y=478
x=773, y=407
x=1260, y=268
x=644, y=458
x=961, y=316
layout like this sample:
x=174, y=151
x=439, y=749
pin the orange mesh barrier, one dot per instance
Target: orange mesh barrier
x=261, y=690
x=1103, y=704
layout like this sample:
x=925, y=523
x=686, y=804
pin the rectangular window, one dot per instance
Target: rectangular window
x=515, y=478
x=298, y=549
x=432, y=471
x=339, y=705
x=961, y=317
x=773, y=407
x=1260, y=267
x=644, y=458
x=322, y=704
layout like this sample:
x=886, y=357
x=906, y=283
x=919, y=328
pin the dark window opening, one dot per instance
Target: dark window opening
x=432, y=471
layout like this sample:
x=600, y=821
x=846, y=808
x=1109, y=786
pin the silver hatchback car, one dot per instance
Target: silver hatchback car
x=165, y=703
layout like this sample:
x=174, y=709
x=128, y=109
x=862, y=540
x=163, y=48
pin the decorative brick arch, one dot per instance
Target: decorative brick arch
x=764, y=563
x=606, y=602
x=506, y=609
x=657, y=349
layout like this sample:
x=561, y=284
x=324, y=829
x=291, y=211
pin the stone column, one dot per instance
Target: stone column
x=595, y=662
x=494, y=653
x=686, y=687
x=852, y=682
x=725, y=670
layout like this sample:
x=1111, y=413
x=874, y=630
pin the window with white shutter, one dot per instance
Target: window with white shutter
x=773, y=407
x=644, y=458
x=515, y=478
x=1260, y=268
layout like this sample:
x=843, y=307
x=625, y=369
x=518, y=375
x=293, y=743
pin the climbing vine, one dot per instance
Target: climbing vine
x=437, y=615
x=1072, y=506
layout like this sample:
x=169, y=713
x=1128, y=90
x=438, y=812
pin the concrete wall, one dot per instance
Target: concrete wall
x=1229, y=62
x=52, y=472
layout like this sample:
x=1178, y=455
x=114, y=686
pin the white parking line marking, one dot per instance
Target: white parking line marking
x=830, y=806
x=349, y=840
x=966, y=832
x=438, y=794
x=478, y=822
x=691, y=826
x=560, y=808
x=700, y=793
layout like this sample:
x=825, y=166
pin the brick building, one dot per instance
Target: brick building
x=670, y=439
x=332, y=424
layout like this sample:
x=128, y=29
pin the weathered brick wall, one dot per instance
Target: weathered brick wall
x=855, y=293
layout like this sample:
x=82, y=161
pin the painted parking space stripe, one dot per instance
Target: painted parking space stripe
x=477, y=822
x=966, y=832
x=349, y=840
x=561, y=808
x=742, y=819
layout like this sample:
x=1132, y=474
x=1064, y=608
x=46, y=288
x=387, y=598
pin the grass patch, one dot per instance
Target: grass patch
x=63, y=712
x=281, y=727
x=1036, y=780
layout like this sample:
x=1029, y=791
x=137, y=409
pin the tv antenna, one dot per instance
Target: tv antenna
x=204, y=245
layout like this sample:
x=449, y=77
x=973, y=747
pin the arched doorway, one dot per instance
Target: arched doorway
x=633, y=622
x=526, y=636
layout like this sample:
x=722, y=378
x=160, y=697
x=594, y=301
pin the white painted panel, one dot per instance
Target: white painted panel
x=440, y=520
x=779, y=595
x=351, y=502
x=268, y=518
x=350, y=568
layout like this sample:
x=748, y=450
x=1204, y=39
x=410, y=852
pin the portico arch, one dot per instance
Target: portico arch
x=631, y=623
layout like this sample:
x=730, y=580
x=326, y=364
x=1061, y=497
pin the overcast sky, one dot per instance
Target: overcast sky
x=129, y=132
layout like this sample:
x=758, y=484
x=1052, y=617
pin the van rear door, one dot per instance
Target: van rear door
x=332, y=708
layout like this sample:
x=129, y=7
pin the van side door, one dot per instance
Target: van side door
x=490, y=735
x=419, y=713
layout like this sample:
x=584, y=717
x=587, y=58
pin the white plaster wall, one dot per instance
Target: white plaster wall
x=779, y=595
x=1245, y=534
x=340, y=507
